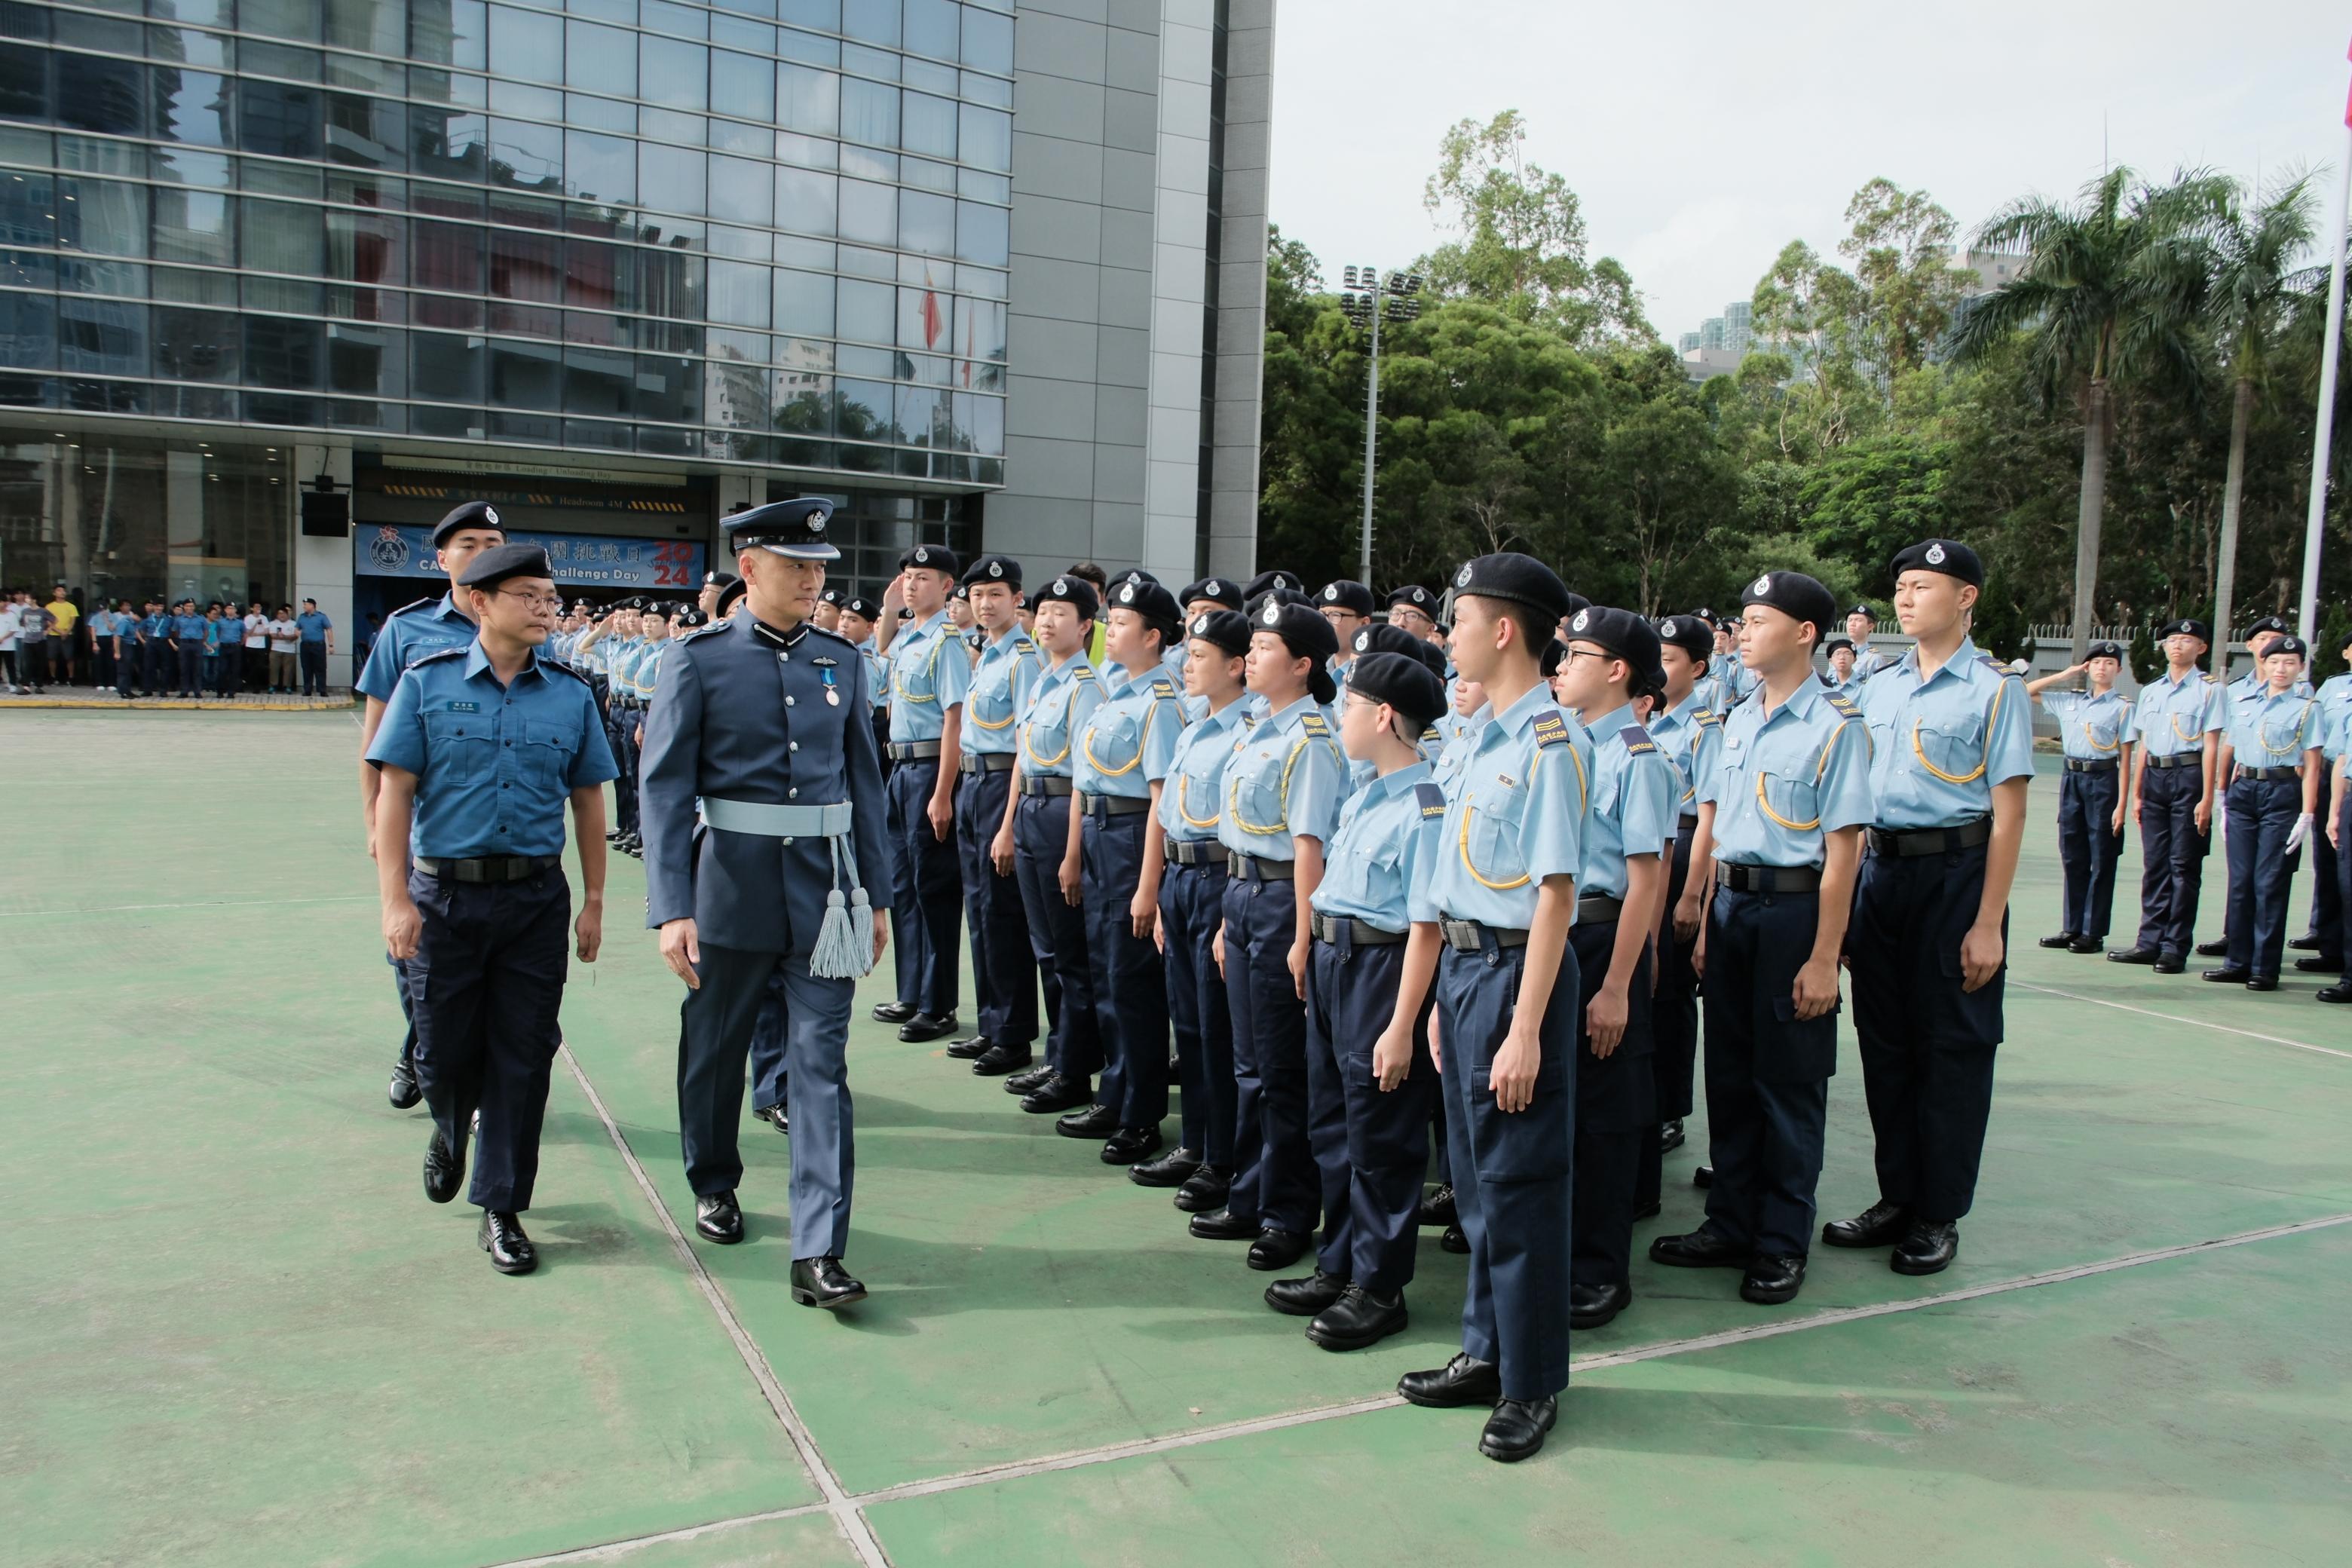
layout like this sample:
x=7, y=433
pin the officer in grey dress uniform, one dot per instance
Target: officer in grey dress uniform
x=762, y=801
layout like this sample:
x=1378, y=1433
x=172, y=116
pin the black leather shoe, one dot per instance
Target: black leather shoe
x=1703, y=1175
x=1437, y=1208
x=1059, y=1093
x=1882, y=1223
x=445, y=1173
x=1276, y=1249
x=1516, y=1431
x=717, y=1218
x=970, y=1049
x=998, y=1060
x=2213, y=949
x=2228, y=976
x=2064, y=939
x=1172, y=1169
x=403, y=1091
x=1029, y=1082
x=1670, y=1136
x=1357, y=1319
x=824, y=1282
x=2133, y=955
x=1451, y=1239
x=1205, y=1190
x=2263, y=983
x=894, y=1012
x=2319, y=965
x=924, y=1027
x=2305, y=943
x=1929, y=1249
x=1219, y=1225
x=1090, y=1120
x=2083, y=944
x=2171, y=965
x=1648, y=1210
x=1699, y=1249
x=1305, y=1295
x=1464, y=1379
x=2341, y=991
x=1590, y=1306
x=1128, y=1144
x=501, y=1236
x=1772, y=1280
x=777, y=1116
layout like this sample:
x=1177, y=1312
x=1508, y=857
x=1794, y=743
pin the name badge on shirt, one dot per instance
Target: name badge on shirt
x=464, y=707
x=1732, y=743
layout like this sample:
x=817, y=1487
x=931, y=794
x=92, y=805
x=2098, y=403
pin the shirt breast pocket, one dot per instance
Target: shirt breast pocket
x=1953, y=748
x=1791, y=799
x=1257, y=795
x=1112, y=744
x=458, y=747
x=1491, y=830
x=547, y=753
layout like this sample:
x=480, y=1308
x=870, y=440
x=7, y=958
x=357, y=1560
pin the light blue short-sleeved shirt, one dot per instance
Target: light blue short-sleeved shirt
x=1387, y=839
x=1192, y=801
x=2092, y=727
x=1286, y=781
x=1733, y=677
x=929, y=674
x=1059, y=704
x=1636, y=803
x=2273, y=730
x=314, y=625
x=1939, y=746
x=2334, y=712
x=1127, y=741
x=1513, y=816
x=1690, y=734
x=408, y=635
x=1000, y=685
x=2175, y=714
x=1788, y=777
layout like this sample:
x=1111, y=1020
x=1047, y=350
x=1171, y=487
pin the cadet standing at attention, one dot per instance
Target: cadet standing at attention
x=2250, y=686
x=1348, y=606
x=760, y=722
x=1780, y=820
x=1502, y=902
x=1038, y=843
x=2270, y=754
x=1952, y=755
x=929, y=673
x=1365, y=1058
x=410, y=633
x=1191, y=909
x=1860, y=622
x=1282, y=790
x=2095, y=728
x=2179, y=721
x=1612, y=657
x=485, y=743
x=2333, y=858
x=1004, y=969
x=1690, y=734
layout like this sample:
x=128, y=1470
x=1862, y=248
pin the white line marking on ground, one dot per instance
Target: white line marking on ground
x=194, y=904
x=1109, y=1453
x=2176, y=1018
x=845, y=1515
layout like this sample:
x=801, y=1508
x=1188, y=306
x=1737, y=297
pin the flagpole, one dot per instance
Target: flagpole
x=2323, y=427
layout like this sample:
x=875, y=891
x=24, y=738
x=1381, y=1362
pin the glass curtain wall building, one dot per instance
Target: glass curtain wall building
x=416, y=250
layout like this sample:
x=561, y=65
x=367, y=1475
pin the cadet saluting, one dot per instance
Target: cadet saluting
x=760, y=720
x=2095, y=731
x=486, y=742
x=1953, y=751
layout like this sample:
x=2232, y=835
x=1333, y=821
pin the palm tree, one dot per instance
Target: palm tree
x=2107, y=295
x=2257, y=297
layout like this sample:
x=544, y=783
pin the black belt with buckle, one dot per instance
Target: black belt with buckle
x=1686, y=825
x=1333, y=928
x=2090, y=765
x=1773, y=879
x=2178, y=759
x=1100, y=805
x=1201, y=853
x=1045, y=784
x=1598, y=910
x=1469, y=936
x=487, y=868
x=973, y=762
x=1261, y=870
x=913, y=750
x=2267, y=776
x=1908, y=843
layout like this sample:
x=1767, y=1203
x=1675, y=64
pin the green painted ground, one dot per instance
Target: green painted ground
x=233, y=1331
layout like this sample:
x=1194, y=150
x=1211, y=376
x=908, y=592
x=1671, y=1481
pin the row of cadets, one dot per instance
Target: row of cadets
x=2096, y=730
x=929, y=674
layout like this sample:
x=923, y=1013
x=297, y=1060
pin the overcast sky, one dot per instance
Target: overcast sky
x=1703, y=136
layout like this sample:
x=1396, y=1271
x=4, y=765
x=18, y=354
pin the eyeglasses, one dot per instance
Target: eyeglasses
x=1572, y=655
x=539, y=603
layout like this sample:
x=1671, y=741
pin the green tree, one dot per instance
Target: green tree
x=1901, y=248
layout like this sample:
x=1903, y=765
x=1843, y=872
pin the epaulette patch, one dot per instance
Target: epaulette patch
x=1636, y=739
x=1707, y=716
x=1164, y=688
x=563, y=669
x=1550, y=730
x=1430, y=734
x=1431, y=798
x=714, y=627
x=1085, y=672
x=438, y=654
x=420, y=604
x=1313, y=724
x=1992, y=663
x=1842, y=703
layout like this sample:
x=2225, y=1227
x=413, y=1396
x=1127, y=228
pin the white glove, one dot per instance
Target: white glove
x=2221, y=812
x=2298, y=833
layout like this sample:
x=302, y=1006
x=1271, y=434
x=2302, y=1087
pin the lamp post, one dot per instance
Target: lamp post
x=1367, y=296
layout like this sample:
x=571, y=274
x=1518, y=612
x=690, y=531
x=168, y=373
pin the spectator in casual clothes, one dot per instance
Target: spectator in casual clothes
x=65, y=618
x=318, y=642
x=285, y=643
x=256, y=648
x=32, y=643
x=9, y=627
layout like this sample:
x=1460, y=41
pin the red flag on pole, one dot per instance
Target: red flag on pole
x=932, y=325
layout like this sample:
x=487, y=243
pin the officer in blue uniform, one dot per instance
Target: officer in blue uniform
x=1952, y=754
x=763, y=818
x=1780, y=820
x=2178, y=719
x=1613, y=658
x=929, y=673
x=1496, y=915
x=1040, y=841
x=1003, y=969
x=1689, y=734
x=314, y=626
x=188, y=645
x=1370, y=1086
x=2270, y=756
x=1282, y=790
x=428, y=625
x=2095, y=730
x=486, y=743
x=1191, y=909
x=1860, y=622
x=155, y=653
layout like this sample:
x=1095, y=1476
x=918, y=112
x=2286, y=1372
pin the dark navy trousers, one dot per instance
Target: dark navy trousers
x=771, y=1077
x=1768, y=1072
x=2172, y=855
x=1674, y=1028
x=1513, y=1172
x=1130, y=984
x=1616, y=1103
x=487, y=981
x=1004, y=969
x=1275, y=1182
x=407, y=1010
x=619, y=728
x=2089, y=848
x=1371, y=1149
x=2261, y=813
x=1057, y=936
x=2326, y=926
x=927, y=903
x=1191, y=907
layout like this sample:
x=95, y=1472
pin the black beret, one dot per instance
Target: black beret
x=1385, y=638
x=501, y=562
x=1307, y=635
x=1404, y=683
x=1694, y=633
x=1217, y=590
x=960, y=591
x=2268, y=624
x=736, y=588
x=1419, y=597
x=1228, y=630
x=937, y=557
x=1258, y=601
x=832, y=597
x=1625, y=634
x=1068, y=590
x=690, y=619
x=2288, y=644
x=2113, y=650
x=1346, y=594
x=791, y=529
x=1520, y=579
x=1576, y=602
x=1949, y=556
x=1862, y=610
x=1794, y=594
x=1266, y=580
x=1001, y=568
x=473, y=514
x=2348, y=639
x=2185, y=628
x=1136, y=574
x=1836, y=643
x=597, y=616
x=1150, y=600
x=866, y=609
